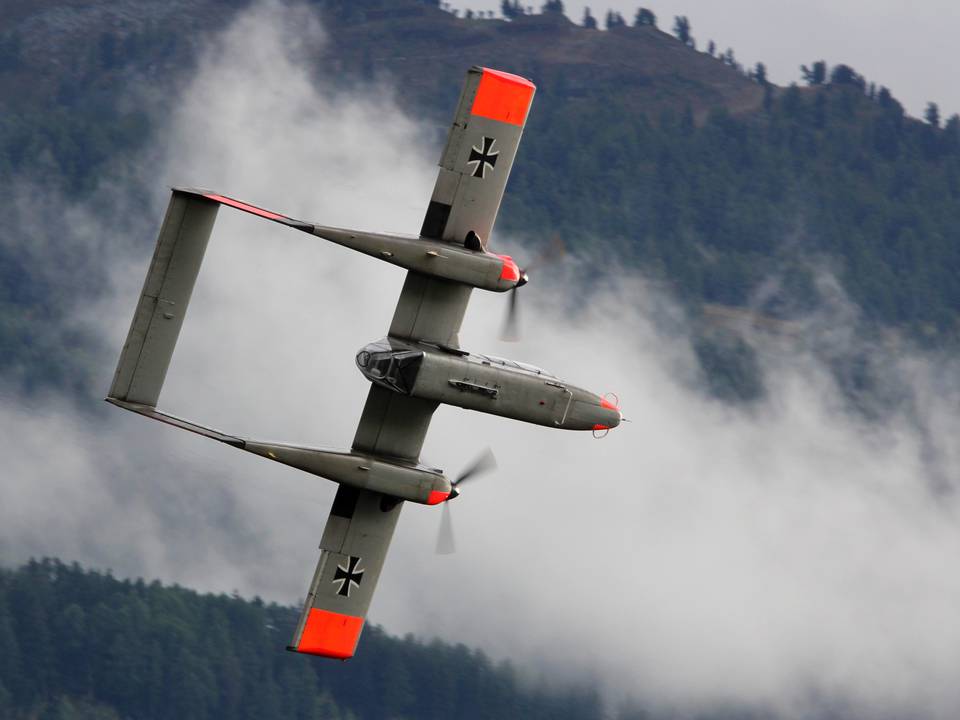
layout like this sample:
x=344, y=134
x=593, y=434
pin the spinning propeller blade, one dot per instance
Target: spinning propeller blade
x=511, y=330
x=445, y=542
x=554, y=252
x=484, y=463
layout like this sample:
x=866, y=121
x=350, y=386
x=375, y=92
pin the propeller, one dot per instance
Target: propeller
x=445, y=542
x=552, y=253
x=484, y=463
x=511, y=326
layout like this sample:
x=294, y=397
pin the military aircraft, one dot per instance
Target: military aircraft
x=417, y=366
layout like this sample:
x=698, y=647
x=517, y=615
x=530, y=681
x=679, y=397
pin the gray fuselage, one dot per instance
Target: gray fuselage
x=484, y=383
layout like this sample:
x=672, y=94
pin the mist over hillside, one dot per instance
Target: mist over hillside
x=732, y=192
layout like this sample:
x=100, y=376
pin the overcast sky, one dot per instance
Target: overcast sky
x=776, y=555
x=911, y=47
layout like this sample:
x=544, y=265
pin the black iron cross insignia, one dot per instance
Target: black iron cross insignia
x=483, y=156
x=348, y=576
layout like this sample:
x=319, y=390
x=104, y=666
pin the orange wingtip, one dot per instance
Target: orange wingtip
x=330, y=634
x=503, y=97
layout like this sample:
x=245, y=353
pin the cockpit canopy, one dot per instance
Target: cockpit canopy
x=395, y=369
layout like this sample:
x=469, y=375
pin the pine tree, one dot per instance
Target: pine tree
x=760, y=73
x=645, y=17
x=614, y=19
x=846, y=75
x=589, y=21
x=681, y=28
x=816, y=74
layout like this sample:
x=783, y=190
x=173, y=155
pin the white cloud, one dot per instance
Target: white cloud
x=767, y=555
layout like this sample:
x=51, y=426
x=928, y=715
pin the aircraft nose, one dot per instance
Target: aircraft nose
x=610, y=415
x=589, y=411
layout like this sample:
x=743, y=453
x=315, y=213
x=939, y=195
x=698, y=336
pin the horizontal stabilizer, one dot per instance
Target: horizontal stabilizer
x=163, y=301
x=167, y=289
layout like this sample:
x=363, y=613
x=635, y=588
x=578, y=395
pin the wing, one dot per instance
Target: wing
x=474, y=169
x=479, y=154
x=352, y=551
x=430, y=309
x=359, y=530
x=163, y=301
x=393, y=425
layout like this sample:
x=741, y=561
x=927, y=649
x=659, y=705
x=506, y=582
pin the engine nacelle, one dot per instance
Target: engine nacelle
x=416, y=483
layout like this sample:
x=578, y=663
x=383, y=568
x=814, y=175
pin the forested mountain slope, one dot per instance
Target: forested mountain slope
x=640, y=151
x=82, y=645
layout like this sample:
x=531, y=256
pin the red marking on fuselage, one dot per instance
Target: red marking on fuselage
x=601, y=427
x=330, y=634
x=503, y=97
x=246, y=207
